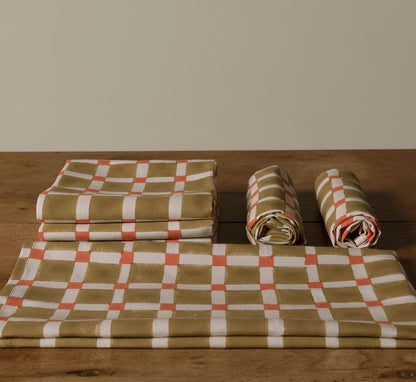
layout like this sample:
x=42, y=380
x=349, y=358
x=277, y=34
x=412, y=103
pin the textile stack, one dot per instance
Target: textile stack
x=128, y=200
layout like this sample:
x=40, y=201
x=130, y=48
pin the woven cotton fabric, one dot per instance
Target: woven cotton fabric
x=112, y=191
x=127, y=231
x=107, y=200
x=186, y=295
x=273, y=212
x=348, y=217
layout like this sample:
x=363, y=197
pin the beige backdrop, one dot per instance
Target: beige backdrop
x=213, y=74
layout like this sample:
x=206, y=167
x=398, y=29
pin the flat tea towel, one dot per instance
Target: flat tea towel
x=185, y=229
x=348, y=217
x=112, y=191
x=273, y=213
x=173, y=295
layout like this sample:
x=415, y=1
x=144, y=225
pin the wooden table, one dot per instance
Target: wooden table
x=390, y=184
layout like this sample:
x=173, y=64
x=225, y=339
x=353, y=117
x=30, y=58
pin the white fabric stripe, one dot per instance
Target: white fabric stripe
x=218, y=326
x=160, y=327
x=47, y=342
x=141, y=172
x=105, y=329
x=129, y=207
x=51, y=329
x=276, y=327
x=331, y=328
x=103, y=342
x=399, y=300
x=266, y=277
x=218, y=277
x=388, y=343
x=175, y=206
x=39, y=206
x=217, y=342
x=201, y=175
x=169, y=277
x=275, y=342
x=388, y=331
x=82, y=211
x=160, y=343
x=332, y=342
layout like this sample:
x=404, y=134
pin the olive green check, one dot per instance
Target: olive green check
x=161, y=295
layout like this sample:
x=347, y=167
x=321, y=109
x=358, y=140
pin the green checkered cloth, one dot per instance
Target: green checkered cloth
x=130, y=200
x=188, y=295
x=349, y=218
x=273, y=211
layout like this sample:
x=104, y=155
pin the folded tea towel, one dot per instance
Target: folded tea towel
x=349, y=219
x=273, y=213
x=147, y=294
x=127, y=231
x=111, y=191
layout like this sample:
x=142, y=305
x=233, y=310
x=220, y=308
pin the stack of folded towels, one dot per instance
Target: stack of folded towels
x=128, y=200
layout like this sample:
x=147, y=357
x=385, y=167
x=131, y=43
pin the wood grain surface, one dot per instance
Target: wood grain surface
x=388, y=179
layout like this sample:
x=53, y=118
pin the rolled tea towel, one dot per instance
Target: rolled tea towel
x=273, y=213
x=348, y=217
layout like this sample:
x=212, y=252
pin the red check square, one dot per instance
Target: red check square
x=311, y=259
x=169, y=286
x=315, y=284
x=180, y=178
x=82, y=257
x=356, y=260
x=82, y=236
x=266, y=261
x=128, y=236
x=116, y=306
x=373, y=303
x=267, y=287
x=99, y=178
x=339, y=203
x=335, y=189
x=174, y=234
x=74, y=285
x=4, y=318
x=219, y=260
x=171, y=259
x=363, y=281
x=271, y=306
x=383, y=322
x=36, y=253
x=139, y=180
x=218, y=287
x=126, y=257
x=219, y=307
x=323, y=304
x=66, y=306
x=121, y=285
x=25, y=282
x=14, y=301
x=103, y=162
x=167, y=307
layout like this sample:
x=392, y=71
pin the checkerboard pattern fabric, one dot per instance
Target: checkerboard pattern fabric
x=273, y=212
x=130, y=200
x=348, y=217
x=127, y=231
x=186, y=295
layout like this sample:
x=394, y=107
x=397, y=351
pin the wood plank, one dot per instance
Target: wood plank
x=208, y=365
